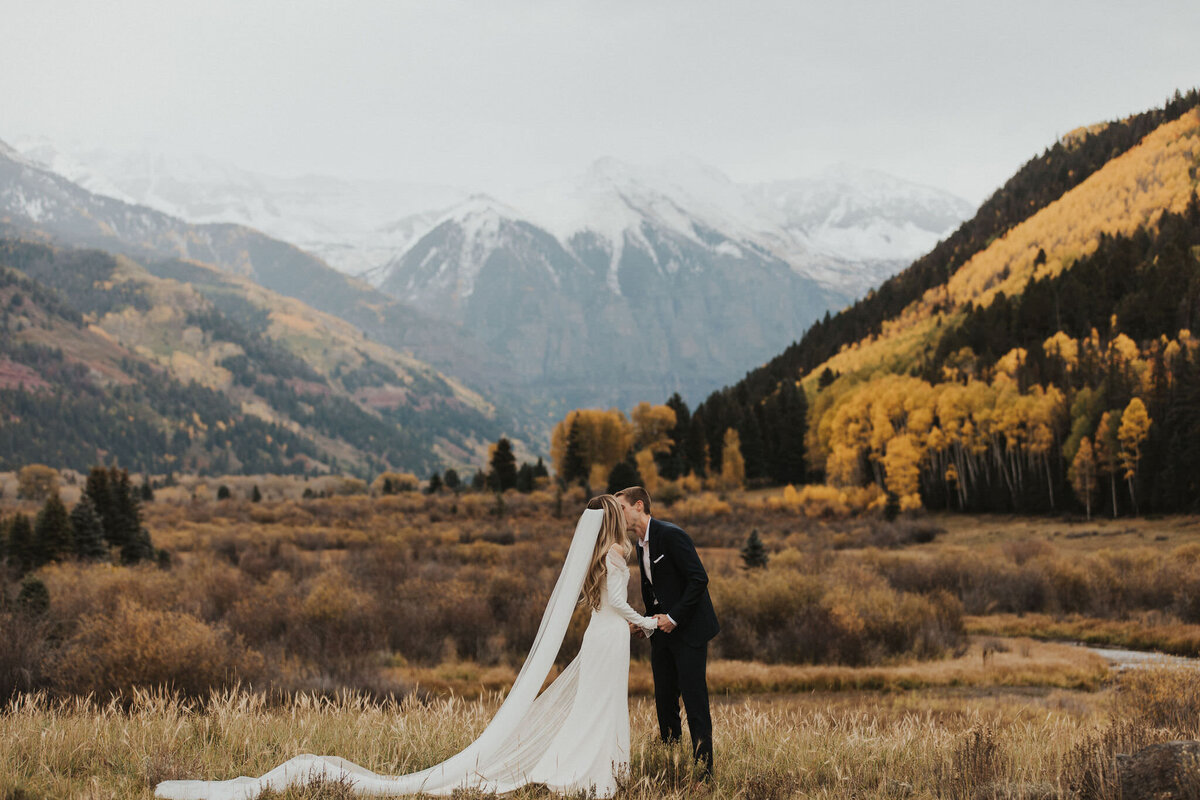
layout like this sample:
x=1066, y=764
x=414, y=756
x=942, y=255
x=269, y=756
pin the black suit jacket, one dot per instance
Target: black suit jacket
x=680, y=584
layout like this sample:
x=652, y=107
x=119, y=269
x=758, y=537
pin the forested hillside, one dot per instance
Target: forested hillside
x=182, y=367
x=1041, y=358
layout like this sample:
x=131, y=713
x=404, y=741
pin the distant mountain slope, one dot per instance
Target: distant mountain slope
x=34, y=200
x=1042, y=359
x=350, y=224
x=666, y=307
x=196, y=369
x=1040, y=182
x=668, y=279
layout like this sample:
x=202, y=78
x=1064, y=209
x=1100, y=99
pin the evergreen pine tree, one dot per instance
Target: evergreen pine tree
x=503, y=466
x=451, y=479
x=525, y=478
x=539, y=469
x=255, y=495
x=147, y=490
x=624, y=474
x=695, y=448
x=89, y=533
x=672, y=463
x=575, y=467
x=52, y=532
x=754, y=555
x=479, y=481
x=138, y=548
x=787, y=415
x=33, y=598
x=97, y=490
x=20, y=544
x=435, y=484
x=223, y=492
x=753, y=449
x=127, y=508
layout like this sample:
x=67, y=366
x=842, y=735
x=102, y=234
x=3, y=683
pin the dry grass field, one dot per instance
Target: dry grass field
x=933, y=743
x=870, y=659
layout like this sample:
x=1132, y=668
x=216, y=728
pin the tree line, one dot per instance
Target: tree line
x=104, y=525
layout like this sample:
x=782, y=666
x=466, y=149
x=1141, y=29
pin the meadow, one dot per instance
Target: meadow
x=869, y=658
x=944, y=743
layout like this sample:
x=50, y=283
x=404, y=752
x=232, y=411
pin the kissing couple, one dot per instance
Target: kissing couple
x=574, y=736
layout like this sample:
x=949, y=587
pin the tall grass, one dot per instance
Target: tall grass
x=861, y=746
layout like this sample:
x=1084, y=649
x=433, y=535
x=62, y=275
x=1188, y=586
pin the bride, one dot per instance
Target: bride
x=574, y=737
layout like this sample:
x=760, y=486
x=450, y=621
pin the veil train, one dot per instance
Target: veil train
x=509, y=748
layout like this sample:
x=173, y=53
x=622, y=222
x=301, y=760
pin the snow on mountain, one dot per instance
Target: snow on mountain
x=351, y=224
x=846, y=228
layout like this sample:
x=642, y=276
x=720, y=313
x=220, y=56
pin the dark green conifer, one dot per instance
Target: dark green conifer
x=89, y=533
x=20, y=544
x=52, y=539
x=624, y=474
x=575, y=468
x=33, y=598
x=754, y=554
x=503, y=467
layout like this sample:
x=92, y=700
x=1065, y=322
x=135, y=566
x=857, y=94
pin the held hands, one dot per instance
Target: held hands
x=664, y=623
x=637, y=632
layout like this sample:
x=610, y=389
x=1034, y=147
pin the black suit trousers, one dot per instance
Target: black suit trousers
x=680, y=671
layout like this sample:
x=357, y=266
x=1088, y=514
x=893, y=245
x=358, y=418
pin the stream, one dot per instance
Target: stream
x=1135, y=659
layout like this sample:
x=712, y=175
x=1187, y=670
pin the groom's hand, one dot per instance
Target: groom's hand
x=637, y=632
x=664, y=623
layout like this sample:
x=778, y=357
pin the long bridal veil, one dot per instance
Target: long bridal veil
x=503, y=755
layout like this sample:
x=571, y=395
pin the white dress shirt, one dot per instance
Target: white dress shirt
x=645, y=544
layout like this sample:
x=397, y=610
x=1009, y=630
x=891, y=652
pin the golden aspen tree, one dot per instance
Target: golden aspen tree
x=733, y=466
x=1064, y=347
x=902, y=465
x=1135, y=427
x=1107, y=449
x=604, y=438
x=648, y=470
x=652, y=427
x=1082, y=474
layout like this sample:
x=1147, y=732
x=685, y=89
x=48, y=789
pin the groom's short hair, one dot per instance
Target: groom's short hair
x=635, y=493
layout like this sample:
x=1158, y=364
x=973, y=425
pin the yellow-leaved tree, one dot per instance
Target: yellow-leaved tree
x=1107, y=448
x=902, y=466
x=1135, y=427
x=1083, y=474
x=652, y=427
x=602, y=439
x=733, y=466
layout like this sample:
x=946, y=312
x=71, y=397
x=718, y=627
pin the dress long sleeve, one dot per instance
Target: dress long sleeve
x=618, y=593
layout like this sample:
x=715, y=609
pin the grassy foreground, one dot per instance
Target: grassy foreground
x=932, y=744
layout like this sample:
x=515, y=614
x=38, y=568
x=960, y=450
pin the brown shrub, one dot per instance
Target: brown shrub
x=136, y=646
x=1161, y=697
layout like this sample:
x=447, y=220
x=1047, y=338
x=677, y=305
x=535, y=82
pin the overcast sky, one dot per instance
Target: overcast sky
x=493, y=94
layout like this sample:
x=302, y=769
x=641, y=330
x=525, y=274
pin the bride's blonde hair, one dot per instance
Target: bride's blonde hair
x=612, y=531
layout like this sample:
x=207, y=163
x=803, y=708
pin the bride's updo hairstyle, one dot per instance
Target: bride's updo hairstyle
x=612, y=531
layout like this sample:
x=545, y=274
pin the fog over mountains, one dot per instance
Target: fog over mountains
x=623, y=284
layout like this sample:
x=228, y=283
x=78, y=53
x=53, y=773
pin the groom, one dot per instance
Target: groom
x=675, y=590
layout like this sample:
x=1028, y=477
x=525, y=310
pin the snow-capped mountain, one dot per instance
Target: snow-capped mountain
x=651, y=302
x=672, y=277
x=625, y=283
x=354, y=225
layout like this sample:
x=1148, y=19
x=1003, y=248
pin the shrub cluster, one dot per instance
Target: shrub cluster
x=326, y=593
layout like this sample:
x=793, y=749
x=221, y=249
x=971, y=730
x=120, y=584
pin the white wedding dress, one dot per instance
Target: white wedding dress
x=573, y=737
